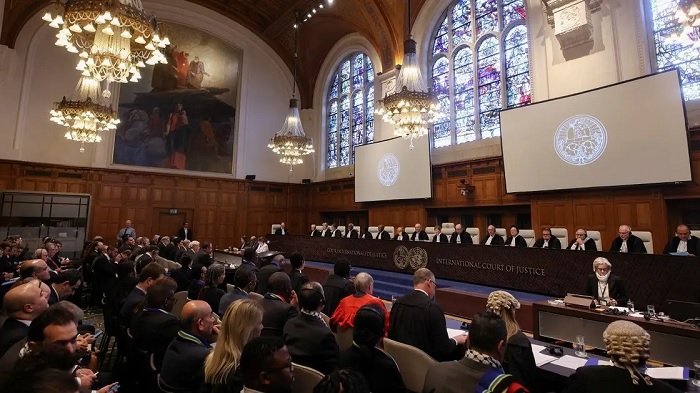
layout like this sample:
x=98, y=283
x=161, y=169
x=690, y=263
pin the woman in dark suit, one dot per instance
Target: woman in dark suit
x=519, y=360
x=606, y=289
x=515, y=240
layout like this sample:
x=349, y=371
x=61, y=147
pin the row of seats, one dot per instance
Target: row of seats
x=529, y=235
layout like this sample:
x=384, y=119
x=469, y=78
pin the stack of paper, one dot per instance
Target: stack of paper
x=570, y=362
x=541, y=358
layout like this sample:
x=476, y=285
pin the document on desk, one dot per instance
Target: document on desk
x=454, y=332
x=676, y=373
x=541, y=358
x=570, y=362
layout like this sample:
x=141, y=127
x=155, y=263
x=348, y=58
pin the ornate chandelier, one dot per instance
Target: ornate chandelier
x=290, y=142
x=114, y=38
x=83, y=115
x=412, y=106
x=688, y=16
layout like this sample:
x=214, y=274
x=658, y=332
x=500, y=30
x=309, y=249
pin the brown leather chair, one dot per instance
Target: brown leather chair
x=305, y=379
x=413, y=363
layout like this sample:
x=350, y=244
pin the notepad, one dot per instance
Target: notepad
x=675, y=373
x=570, y=362
x=451, y=333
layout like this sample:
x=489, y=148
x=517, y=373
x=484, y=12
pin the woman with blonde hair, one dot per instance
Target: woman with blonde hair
x=242, y=322
x=518, y=359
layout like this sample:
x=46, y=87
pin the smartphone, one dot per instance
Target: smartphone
x=114, y=388
x=98, y=333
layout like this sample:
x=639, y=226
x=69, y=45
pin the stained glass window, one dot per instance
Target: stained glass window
x=671, y=53
x=479, y=64
x=350, y=109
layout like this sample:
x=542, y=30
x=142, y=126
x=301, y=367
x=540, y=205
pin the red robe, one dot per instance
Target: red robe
x=344, y=315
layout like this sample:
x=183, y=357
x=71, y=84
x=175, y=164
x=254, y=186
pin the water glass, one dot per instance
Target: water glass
x=696, y=378
x=630, y=305
x=651, y=310
x=580, y=347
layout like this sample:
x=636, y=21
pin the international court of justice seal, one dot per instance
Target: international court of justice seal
x=388, y=170
x=580, y=140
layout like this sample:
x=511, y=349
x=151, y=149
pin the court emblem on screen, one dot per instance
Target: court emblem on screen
x=580, y=140
x=388, y=169
x=416, y=257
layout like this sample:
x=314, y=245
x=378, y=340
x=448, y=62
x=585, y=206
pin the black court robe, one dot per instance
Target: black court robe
x=383, y=235
x=497, y=240
x=464, y=238
x=519, y=361
x=315, y=233
x=693, y=245
x=634, y=244
x=519, y=241
x=589, y=244
x=353, y=234
x=404, y=237
x=419, y=236
x=615, y=286
x=609, y=379
x=443, y=238
x=554, y=243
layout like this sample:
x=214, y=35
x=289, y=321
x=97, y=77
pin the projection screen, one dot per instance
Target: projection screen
x=389, y=170
x=630, y=133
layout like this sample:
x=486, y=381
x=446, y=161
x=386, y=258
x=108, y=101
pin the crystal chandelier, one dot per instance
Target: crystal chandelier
x=688, y=16
x=412, y=106
x=113, y=38
x=290, y=142
x=83, y=115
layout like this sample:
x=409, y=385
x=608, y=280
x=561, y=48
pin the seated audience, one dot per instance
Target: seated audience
x=248, y=260
x=241, y=323
x=211, y=293
x=147, y=257
x=309, y=340
x=440, y=237
x=183, y=246
x=296, y=276
x=400, y=235
x=262, y=246
x=35, y=268
x=515, y=240
x=491, y=238
x=244, y=281
x=155, y=327
x=548, y=240
x=22, y=304
x=417, y=320
x=199, y=275
x=606, y=288
x=338, y=285
x=266, y=271
x=480, y=369
x=419, y=234
x=627, y=242
x=459, y=236
x=204, y=255
x=366, y=355
x=104, y=268
x=518, y=360
x=148, y=276
x=627, y=344
x=345, y=381
x=683, y=242
x=280, y=304
x=183, y=275
x=64, y=284
x=382, y=234
x=344, y=315
x=266, y=366
x=40, y=253
x=351, y=232
x=582, y=242
x=184, y=359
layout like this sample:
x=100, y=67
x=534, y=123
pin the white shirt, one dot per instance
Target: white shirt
x=575, y=246
x=512, y=240
x=262, y=248
x=323, y=232
x=682, y=246
x=488, y=241
x=437, y=235
x=400, y=237
x=379, y=235
x=349, y=232
x=603, y=292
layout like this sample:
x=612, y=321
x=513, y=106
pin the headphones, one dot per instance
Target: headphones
x=615, y=311
x=555, y=350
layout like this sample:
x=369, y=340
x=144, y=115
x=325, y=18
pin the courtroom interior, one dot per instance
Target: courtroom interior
x=317, y=196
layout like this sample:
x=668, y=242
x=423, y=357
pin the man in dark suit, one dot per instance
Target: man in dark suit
x=149, y=275
x=337, y=286
x=183, y=275
x=282, y=230
x=627, y=242
x=459, y=236
x=169, y=249
x=351, y=232
x=309, y=340
x=266, y=271
x=244, y=281
x=22, y=304
x=105, y=270
x=129, y=244
x=418, y=321
x=147, y=257
x=605, y=287
x=400, y=235
x=248, y=259
x=515, y=240
x=491, y=238
x=581, y=242
x=683, y=242
x=182, y=364
x=296, y=276
x=335, y=232
x=185, y=232
x=480, y=369
x=279, y=305
x=548, y=241
x=204, y=255
x=314, y=232
x=419, y=234
x=182, y=249
x=155, y=327
x=440, y=237
x=64, y=284
x=382, y=234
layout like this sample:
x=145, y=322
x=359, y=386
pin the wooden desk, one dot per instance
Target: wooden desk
x=649, y=279
x=671, y=343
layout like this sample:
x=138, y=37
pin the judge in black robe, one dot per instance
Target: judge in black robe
x=419, y=234
x=442, y=236
x=553, y=243
x=464, y=237
x=367, y=235
x=515, y=239
x=314, y=232
x=588, y=243
x=352, y=233
x=634, y=244
x=382, y=234
x=400, y=232
x=692, y=245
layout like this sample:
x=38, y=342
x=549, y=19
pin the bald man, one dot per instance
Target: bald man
x=683, y=242
x=627, y=242
x=36, y=268
x=22, y=304
x=189, y=349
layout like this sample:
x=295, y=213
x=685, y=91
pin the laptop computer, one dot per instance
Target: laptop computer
x=682, y=311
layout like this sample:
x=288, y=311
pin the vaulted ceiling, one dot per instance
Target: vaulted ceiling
x=382, y=22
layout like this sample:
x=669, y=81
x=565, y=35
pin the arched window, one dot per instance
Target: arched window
x=671, y=51
x=479, y=64
x=350, y=104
